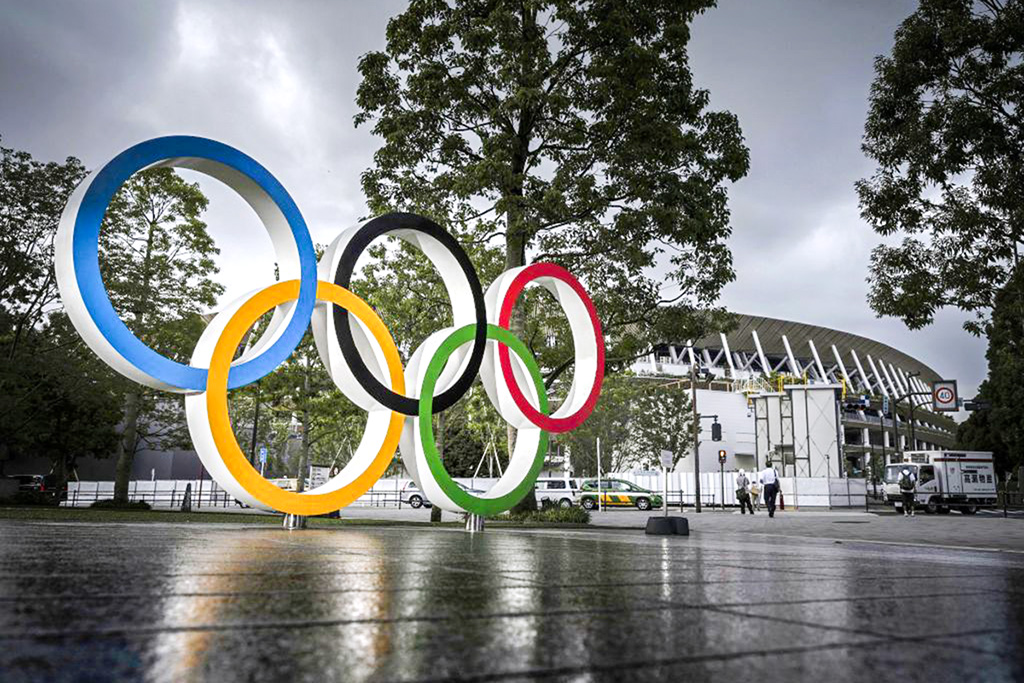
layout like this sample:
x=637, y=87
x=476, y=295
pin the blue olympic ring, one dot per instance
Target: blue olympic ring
x=97, y=197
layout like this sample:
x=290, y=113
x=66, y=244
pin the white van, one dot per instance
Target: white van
x=558, y=491
x=946, y=480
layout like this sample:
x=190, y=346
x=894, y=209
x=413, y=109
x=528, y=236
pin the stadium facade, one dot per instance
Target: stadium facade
x=773, y=384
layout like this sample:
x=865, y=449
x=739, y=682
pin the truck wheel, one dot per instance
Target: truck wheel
x=588, y=504
x=968, y=509
x=931, y=507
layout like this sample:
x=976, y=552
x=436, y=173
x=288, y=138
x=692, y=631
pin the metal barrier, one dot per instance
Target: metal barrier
x=205, y=494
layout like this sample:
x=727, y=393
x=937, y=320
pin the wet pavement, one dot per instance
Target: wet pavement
x=166, y=602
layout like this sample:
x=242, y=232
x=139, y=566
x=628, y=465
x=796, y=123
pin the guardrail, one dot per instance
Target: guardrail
x=206, y=494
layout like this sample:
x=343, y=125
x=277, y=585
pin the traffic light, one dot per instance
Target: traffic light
x=716, y=431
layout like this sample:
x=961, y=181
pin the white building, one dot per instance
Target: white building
x=795, y=393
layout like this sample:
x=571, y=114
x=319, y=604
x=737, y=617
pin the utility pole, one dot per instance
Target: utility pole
x=255, y=426
x=910, y=399
x=696, y=433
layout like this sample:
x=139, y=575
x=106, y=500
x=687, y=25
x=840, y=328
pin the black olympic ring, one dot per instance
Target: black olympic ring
x=343, y=277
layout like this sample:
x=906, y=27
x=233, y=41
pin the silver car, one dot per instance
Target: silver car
x=415, y=498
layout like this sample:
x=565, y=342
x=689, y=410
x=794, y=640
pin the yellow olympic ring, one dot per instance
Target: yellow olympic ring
x=220, y=421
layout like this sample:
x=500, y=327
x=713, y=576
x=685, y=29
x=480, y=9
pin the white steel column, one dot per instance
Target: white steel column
x=792, y=360
x=765, y=368
x=842, y=367
x=903, y=386
x=926, y=402
x=863, y=375
x=817, y=360
x=878, y=377
x=885, y=373
x=728, y=353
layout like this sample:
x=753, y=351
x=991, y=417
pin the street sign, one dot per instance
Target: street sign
x=318, y=476
x=977, y=405
x=263, y=455
x=885, y=405
x=721, y=457
x=666, y=459
x=944, y=396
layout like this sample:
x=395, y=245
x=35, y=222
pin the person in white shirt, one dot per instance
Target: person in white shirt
x=769, y=478
x=743, y=492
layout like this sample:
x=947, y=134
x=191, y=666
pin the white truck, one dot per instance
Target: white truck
x=946, y=480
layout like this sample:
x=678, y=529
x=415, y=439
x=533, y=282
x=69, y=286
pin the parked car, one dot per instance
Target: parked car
x=617, y=493
x=40, y=483
x=560, y=492
x=415, y=498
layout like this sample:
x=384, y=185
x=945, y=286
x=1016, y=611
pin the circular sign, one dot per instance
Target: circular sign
x=944, y=396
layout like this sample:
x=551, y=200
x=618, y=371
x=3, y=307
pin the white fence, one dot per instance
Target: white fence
x=817, y=492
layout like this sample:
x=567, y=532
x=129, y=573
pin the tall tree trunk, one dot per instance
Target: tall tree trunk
x=515, y=256
x=133, y=400
x=300, y=476
x=435, y=512
x=126, y=446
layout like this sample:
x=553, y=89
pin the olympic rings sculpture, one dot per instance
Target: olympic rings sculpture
x=357, y=349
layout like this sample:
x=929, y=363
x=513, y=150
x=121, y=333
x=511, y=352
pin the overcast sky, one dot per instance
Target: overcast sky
x=277, y=80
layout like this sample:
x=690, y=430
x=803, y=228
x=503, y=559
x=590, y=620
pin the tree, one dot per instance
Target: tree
x=32, y=197
x=156, y=258
x=567, y=132
x=1001, y=428
x=56, y=398
x=401, y=284
x=946, y=127
x=636, y=419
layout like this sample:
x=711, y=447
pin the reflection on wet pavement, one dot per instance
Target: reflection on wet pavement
x=179, y=603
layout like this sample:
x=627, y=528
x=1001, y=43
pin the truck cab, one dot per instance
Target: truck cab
x=946, y=480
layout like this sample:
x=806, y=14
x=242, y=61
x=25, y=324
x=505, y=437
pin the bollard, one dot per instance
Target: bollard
x=474, y=523
x=294, y=522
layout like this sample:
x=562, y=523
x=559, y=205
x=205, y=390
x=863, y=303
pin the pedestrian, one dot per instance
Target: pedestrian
x=769, y=479
x=908, y=484
x=755, y=494
x=742, y=492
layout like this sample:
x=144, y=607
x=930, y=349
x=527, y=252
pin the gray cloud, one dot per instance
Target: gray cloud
x=278, y=81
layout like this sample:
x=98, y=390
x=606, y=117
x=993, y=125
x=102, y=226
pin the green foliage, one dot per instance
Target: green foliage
x=1001, y=429
x=156, y=259
x=945, y=127
x=555, y=515
x=636, y=419
x=409, y=295
x=57, y=399
x=561, y=131
x=30, y=498
x=112, y=504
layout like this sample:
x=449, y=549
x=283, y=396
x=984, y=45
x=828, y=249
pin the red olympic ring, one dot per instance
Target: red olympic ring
x=550, y=423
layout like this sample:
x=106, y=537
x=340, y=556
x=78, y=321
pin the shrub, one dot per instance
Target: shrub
x=30, y=498
x=110, y=504
x=554, y=515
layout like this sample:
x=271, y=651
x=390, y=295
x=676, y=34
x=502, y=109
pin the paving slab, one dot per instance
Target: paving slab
x=232, y=602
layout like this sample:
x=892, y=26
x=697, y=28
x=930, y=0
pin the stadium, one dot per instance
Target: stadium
x=802, y=395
